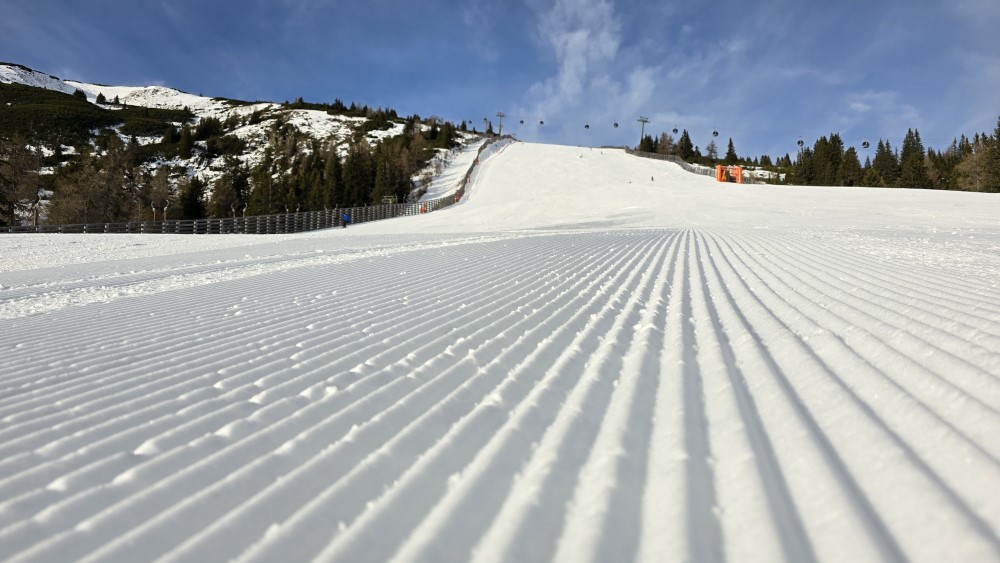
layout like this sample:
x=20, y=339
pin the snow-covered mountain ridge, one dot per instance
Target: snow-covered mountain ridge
x=157, y=96
x=145, y=96
x=255, y=119
x=11, y=73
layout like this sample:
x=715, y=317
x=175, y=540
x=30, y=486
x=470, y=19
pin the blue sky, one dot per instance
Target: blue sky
x=762, y=73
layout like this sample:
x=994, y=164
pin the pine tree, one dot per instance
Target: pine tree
x=170, y=135
x=731, y=157
x=992, y=161
x=389, y=173
x=979, y=169
x=333, y=178
x=868, y=175
x=185, y=143
x=835, y=158
x=100, y=98
x=885, y=165
x=135, y=180
x=260, y=199
x=450, y=135
x=207, y=128
x=192, y=198
x=646, y=144
x=359, y=174
x=827, y=155
x=804, y=170
x=849, y=173
x=912, y=172
x=119, y=195
x=229, y=189
x=311, y=178
x=685, y=149
x=223, y=196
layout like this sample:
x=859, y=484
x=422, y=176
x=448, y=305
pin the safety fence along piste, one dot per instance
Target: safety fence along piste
x=744, y=178
x=279, y=223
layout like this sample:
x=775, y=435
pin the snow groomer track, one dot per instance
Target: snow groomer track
x=593, y=357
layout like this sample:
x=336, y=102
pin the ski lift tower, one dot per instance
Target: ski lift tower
x=500, y=116
x=642, y=132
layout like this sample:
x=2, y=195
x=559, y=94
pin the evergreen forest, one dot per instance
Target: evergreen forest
x=966, y=164
x=99, y=171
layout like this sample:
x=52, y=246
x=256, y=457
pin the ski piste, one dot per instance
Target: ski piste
x=573, y=363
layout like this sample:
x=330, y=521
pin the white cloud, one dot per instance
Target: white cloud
x=591, y=81
x=584, y=36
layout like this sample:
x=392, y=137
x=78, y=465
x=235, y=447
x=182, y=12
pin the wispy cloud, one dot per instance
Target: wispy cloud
x=584, y=36
x=590, y=80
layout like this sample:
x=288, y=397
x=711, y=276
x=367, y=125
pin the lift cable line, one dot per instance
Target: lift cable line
x=865, y=144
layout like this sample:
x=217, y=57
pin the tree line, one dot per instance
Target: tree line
x=108, y=181
x=966, y=164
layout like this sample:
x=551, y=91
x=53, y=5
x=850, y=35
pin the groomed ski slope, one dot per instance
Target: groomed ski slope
x=594, y=357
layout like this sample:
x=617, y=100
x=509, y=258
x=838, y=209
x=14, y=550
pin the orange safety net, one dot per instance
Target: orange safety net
x=729, y=174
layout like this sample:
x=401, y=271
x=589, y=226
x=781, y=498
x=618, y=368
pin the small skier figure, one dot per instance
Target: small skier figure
x=345, y=219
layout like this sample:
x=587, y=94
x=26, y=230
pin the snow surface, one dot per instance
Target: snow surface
x=592, y=357
x=455, y=163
